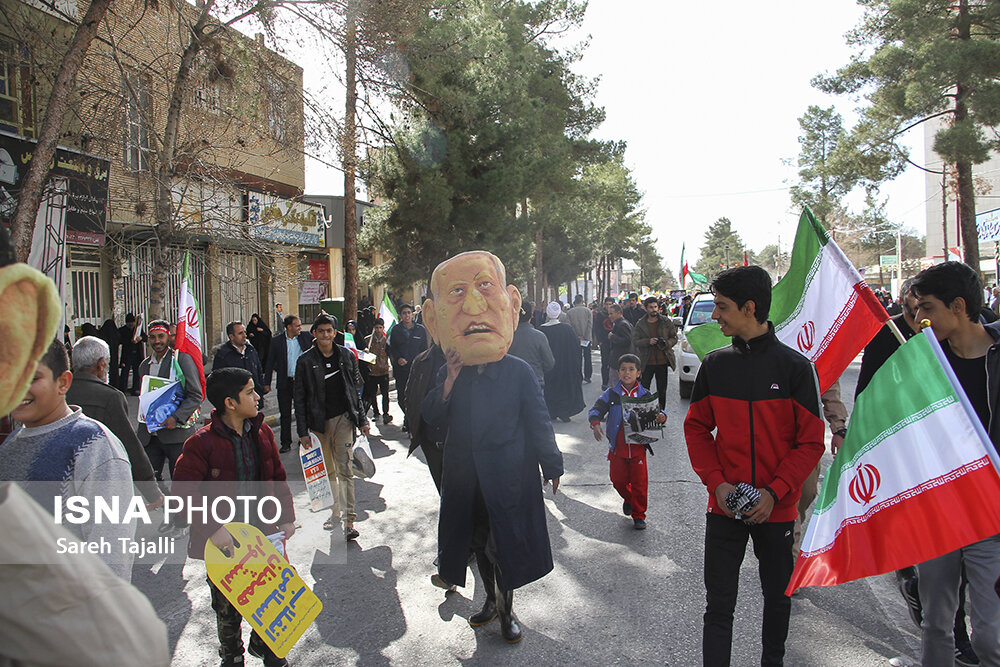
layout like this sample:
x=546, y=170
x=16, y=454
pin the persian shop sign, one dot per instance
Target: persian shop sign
x=282, y=220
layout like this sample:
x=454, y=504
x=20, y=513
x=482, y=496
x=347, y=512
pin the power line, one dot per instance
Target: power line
x=729, y=194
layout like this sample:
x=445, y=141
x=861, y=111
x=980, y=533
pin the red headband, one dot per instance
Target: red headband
x=159, y=327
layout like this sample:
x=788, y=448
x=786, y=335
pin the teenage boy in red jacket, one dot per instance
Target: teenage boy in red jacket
x=762, y=400
x=234, y=455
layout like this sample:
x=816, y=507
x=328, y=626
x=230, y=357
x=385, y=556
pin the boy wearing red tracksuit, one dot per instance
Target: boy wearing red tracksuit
x=627, y=461
x=754, y=418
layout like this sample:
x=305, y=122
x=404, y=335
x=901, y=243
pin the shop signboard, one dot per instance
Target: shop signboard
x=86, y=178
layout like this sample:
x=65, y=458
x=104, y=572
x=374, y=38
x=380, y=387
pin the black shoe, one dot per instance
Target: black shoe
x=510, y=629
x=485, y=615
x=908, y=586
x=269, y=661
x=627, y=508
x=232, y=662
x=565, y=419
x=285, y=448
x=388, y=418
x=586, y=380
x=964, y=655
x=640, y=524
x=604, y=387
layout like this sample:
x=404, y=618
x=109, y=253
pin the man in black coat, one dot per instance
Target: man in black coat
x=406, y=340
x=284, y=353
x=239, y=353
x=133, y=350
x=602, y=329
x=328, y=404
x=427, y=437
x=620, y=336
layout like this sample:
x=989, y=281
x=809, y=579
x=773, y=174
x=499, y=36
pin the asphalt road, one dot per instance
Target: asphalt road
x=616, y=596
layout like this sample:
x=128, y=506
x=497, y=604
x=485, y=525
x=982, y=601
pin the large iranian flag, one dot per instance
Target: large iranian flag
x=822, y=307
x=188, y=339
x=915, y=478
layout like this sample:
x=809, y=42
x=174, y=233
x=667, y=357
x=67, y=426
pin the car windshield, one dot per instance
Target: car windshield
x=701, y=312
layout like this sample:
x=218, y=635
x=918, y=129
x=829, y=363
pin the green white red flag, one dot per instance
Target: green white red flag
x=916, y=477
x=684, y=269
x=822, y=307
x=188, y=339
x=388, y=313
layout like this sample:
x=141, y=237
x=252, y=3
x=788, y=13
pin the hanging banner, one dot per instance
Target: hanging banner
x=86, y=187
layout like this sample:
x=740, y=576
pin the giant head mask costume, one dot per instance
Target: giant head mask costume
x=471, y=309
x=29, y=317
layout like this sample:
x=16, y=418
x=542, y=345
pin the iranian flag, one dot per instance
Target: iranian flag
x=188, y=340
x=822, y=307
x=916, y=477
x=684, y=268
x=388, y=313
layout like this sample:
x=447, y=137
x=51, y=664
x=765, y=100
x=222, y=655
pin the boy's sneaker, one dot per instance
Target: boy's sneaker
x=964, y=655
x=627, y=508
x=270, y=661
x=640, y=524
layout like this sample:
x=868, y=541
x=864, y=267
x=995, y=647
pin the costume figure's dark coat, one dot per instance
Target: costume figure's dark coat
x=499, y=433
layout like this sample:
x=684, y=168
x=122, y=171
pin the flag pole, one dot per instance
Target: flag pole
x=895, y=331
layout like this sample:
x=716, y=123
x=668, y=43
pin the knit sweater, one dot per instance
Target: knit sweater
x=85, y=459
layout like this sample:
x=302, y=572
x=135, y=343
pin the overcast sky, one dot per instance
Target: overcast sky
x=707, y=97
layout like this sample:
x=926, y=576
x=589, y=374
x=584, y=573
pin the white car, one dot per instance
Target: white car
x=688, y=363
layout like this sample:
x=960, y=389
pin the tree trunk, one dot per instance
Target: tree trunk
x=33, y=185
x=963, y=168
x=167, y=168
x=350, y=167
x=944, y=210
x=539, y=267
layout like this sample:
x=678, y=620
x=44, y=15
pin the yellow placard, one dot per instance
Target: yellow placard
x=264, y=588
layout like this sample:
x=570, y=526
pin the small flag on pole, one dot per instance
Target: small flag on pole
x=916, y=477
x=388, y=313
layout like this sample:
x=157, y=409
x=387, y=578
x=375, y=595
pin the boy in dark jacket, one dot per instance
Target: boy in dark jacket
x=234, y=455
x=628, y=461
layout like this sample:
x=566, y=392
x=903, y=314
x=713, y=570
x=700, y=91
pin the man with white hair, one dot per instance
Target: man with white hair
x=102, y=402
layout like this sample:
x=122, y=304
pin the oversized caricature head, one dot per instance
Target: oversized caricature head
x=471, y=309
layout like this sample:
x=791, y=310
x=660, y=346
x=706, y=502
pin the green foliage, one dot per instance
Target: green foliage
x=490, y=122
x=917, y=60
x=825, y=177
x=718, y=238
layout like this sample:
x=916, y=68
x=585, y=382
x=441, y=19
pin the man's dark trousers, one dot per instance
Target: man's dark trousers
x=605, y=363
x=131, y=362
x=588, y=365
x=725, y=546
x=159, y=452
x=402, y=374
x=286, y=392
x=659, y=371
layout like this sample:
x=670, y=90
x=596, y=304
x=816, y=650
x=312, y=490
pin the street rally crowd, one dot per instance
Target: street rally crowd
x=480, y=376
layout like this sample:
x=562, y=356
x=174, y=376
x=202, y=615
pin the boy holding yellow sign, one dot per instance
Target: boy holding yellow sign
x=233, y=456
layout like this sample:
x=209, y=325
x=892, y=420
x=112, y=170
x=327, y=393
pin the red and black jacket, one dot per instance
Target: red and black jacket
x=762, y=399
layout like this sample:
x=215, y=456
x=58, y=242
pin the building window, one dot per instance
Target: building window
x=138, y=115
x=277, y=107
x=17, y=94
x=207, y=97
